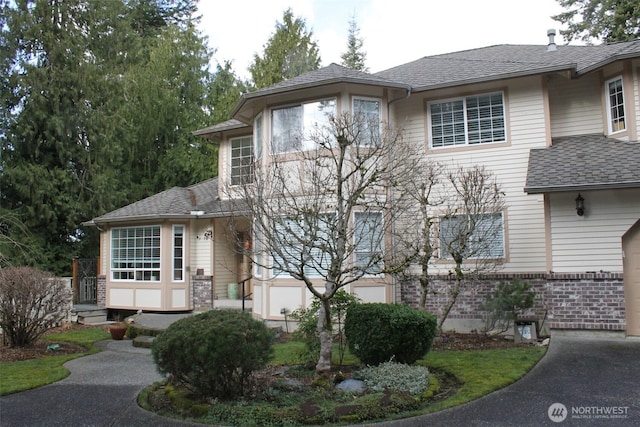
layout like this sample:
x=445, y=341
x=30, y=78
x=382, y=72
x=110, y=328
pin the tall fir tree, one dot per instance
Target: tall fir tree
x=290, y=52
x=354, y=58
x=99, y=100
x=607, y=20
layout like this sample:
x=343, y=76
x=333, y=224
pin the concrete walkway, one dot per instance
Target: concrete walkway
x=592, y=378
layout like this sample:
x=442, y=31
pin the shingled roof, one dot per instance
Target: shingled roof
x=505, y=61
x=177, y=202
x=584, y=162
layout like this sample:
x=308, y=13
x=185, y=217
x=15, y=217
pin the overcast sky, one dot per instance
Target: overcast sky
x=394, y=31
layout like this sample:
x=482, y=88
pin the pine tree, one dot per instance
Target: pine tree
x=354, y=57
x=290, y=51
x=608, y=20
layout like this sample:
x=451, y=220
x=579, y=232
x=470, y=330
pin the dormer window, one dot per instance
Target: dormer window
x=301, y=127
x=615, y=105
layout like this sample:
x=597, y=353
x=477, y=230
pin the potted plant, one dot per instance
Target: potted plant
x=118, y=329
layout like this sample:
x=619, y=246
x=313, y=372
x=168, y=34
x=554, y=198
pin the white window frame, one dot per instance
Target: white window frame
x=133, y=256
x=501, y=238
x=298, y=138
x=258, y=135
x=616, y=122
x=178, y=258
x=310, y=272
x=368, y=121
x=461, y=120
x=243, y=171
x=364, y=248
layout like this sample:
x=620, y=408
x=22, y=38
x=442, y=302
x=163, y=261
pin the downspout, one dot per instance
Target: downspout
x=394, y=284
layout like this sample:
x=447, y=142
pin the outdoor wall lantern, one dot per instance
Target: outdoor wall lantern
x=580, y=205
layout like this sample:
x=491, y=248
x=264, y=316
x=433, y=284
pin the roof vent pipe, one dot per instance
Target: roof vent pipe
x=551, y=47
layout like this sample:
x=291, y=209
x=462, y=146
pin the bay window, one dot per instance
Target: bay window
x=366, y=113
x=369, y=241
x=242, y=160
x=135, y=253
x=178, y=253
x=292, y=127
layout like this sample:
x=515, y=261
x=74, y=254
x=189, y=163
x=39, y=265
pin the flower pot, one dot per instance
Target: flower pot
x=117, y=332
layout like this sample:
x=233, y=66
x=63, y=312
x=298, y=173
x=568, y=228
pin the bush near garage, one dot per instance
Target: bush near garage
x=214, y=354
x=380, y=332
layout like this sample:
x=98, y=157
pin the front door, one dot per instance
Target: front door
x=631, y=268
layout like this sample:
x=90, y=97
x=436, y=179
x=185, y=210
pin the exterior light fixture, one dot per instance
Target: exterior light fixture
x=580, y=205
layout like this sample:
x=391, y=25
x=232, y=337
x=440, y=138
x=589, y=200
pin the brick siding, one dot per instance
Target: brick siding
x=202, y=292
x=592, y=301
x=101, y=290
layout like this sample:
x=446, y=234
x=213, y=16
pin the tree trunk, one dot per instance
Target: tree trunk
x=326, y=338
x=454, y=296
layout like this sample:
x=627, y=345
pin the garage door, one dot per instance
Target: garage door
x=631, y=265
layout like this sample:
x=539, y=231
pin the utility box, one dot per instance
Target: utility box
x=526, y=330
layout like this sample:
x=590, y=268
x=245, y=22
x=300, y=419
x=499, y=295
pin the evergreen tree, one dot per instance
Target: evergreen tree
x=289, y=52
x=354, y=57
x=98, y=104
x=608, y=20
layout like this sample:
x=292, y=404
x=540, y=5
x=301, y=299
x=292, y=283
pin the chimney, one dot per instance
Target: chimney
x=551, y=47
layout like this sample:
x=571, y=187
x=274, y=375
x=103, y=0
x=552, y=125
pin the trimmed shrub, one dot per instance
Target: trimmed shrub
x=31, y=301
x=506, y=303
x=215, y=353
x=380, y=332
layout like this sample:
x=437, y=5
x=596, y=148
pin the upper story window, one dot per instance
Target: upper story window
x=615, y=105
x=471, y=120
x=366, y=112
x=257, y=134
x=292, y=126
x=241, y=160
x=135, y=253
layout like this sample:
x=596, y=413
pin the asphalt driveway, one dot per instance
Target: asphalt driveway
x=578, y=382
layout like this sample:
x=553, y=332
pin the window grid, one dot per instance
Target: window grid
x=178, y=253
x=242, y=160
x=616, y=106
x=135, y=253
x=467, y=121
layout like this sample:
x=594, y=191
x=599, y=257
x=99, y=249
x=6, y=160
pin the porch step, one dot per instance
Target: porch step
x=143, y=341
x=90, y=317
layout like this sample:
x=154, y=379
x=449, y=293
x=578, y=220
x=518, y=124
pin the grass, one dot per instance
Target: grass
x=29, y=374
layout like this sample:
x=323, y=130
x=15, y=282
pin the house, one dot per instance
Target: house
x=557, y=125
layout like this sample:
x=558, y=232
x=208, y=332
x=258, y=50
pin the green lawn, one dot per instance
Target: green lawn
x=28, y=374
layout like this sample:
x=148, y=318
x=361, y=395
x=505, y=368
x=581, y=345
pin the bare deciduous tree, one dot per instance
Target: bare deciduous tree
x=322, y=213
x=471, y=232
x=31, y=301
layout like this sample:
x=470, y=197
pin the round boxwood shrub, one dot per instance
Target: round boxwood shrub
x=214, y=353
x=379, y=332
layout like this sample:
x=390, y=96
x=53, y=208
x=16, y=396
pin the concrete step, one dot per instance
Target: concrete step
x=90, y=317
x=143, y=341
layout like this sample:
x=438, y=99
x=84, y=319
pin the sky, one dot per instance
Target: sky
x=394, y=32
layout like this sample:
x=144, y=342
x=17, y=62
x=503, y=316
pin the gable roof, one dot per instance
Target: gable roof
x=583, y=162
x=199, y=200
x=506, y=61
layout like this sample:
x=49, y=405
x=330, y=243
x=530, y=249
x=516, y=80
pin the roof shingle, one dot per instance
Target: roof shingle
x=583, y=162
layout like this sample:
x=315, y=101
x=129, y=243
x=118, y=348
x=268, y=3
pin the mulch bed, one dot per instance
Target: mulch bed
x=39, y=348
